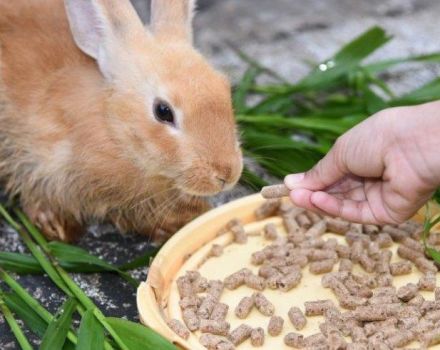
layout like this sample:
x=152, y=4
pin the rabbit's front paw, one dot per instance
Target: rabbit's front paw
x=53, y=226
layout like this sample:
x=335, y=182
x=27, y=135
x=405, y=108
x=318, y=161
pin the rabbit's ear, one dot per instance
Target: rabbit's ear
x=172, y=18
x=104, y=30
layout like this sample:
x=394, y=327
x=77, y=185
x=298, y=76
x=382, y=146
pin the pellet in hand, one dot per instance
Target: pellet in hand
x=275, y=191
x=275, y=326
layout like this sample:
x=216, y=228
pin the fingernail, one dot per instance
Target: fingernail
x=293, y=179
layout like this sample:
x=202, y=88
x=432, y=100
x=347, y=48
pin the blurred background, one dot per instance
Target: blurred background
x=289, y=37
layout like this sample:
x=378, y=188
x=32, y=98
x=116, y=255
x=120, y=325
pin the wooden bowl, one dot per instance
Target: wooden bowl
x=157, y=298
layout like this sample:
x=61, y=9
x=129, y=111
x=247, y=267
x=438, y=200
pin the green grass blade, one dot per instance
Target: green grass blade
x=139, y=337
x=15, y=328
x=90, y=333
x=346, y=59
x=19, y=263
x=29, y=316
x=378, y=67
x=75, y=255
x=241, y=91
x=141, y=261
x=426, y=93
x=56, y=332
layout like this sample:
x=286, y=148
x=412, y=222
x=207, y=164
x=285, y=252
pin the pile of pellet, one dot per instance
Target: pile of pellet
x=372, y=312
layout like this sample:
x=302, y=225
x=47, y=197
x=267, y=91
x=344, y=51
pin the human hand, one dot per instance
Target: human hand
x=381, y=171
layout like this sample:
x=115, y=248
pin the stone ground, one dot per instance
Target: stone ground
x=284, y=35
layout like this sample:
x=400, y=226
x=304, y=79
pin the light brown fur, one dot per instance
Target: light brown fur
x=76, y=147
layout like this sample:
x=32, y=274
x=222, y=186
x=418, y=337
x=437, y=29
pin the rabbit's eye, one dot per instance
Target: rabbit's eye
x=163, y=112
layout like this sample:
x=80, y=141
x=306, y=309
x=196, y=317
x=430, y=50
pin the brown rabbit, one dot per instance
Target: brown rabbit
x=104, y=119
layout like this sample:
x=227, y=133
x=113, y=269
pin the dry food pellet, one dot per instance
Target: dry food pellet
x=317, y=229
x=428, y=281
x=275, y=326
x=383, y=299
x=236, y=279
x=193, y=275
x=408, y=322
x=335, y=340
x=371, y=313
x=240, y=334
x=314, y=218
x=410, y=226
x=268, y=208
x=266, y=271
x=345, y=265
x=257, y=258
x=321, y=254
x=244, y=307
x=315, y=339
x=383, y=261
x=255, y=282
x=357, y=289
x=215, y=289
x=406, y=253
x=412, y=244
x=239, y=234
x=290, y=224
x=270, y=231
x=275, y=191
x=289, y=281
x=417, y=300
x=233, y=222
x=206, y=307
x=219, y=312
x=351, y=237
x=357, y=249
x=200, y=285
x=367, y=263
x=210, y=341
x=429, y=305
x=374, y=250
x=263, y=305
x=322, y=266
x=330, y=244
x=437, y=293
x=216, y=250
x=294, y=340
x=396, y=233
x=184, y=287
x=304, y=221
x=318, y=307
x=191, y=319
x=214, y=327
x=355, y=227
x=407, y=292
x=432, y=337
x=422, y=327
x=371, y=229
x=400, y=268
x=225, y=345
x=425, y=265
x=357, y=346
x=300, y=259
x=285, y=207
x=192, y=301
x=434, y=238
x=286, y=270
x=384, y=240
x=257, y=337
x=336, y=225
x=343, y=251
x=272, y=281
x=433, y=316
x=297, y=318
x=178, y=328
x=384, y=280
x=358, y=335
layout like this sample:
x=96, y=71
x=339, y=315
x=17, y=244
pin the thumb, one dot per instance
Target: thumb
x=326, y=172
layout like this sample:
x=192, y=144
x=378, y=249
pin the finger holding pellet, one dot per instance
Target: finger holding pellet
x=275, y=191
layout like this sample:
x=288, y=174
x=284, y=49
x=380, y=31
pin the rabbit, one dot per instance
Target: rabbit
x=105, y=120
